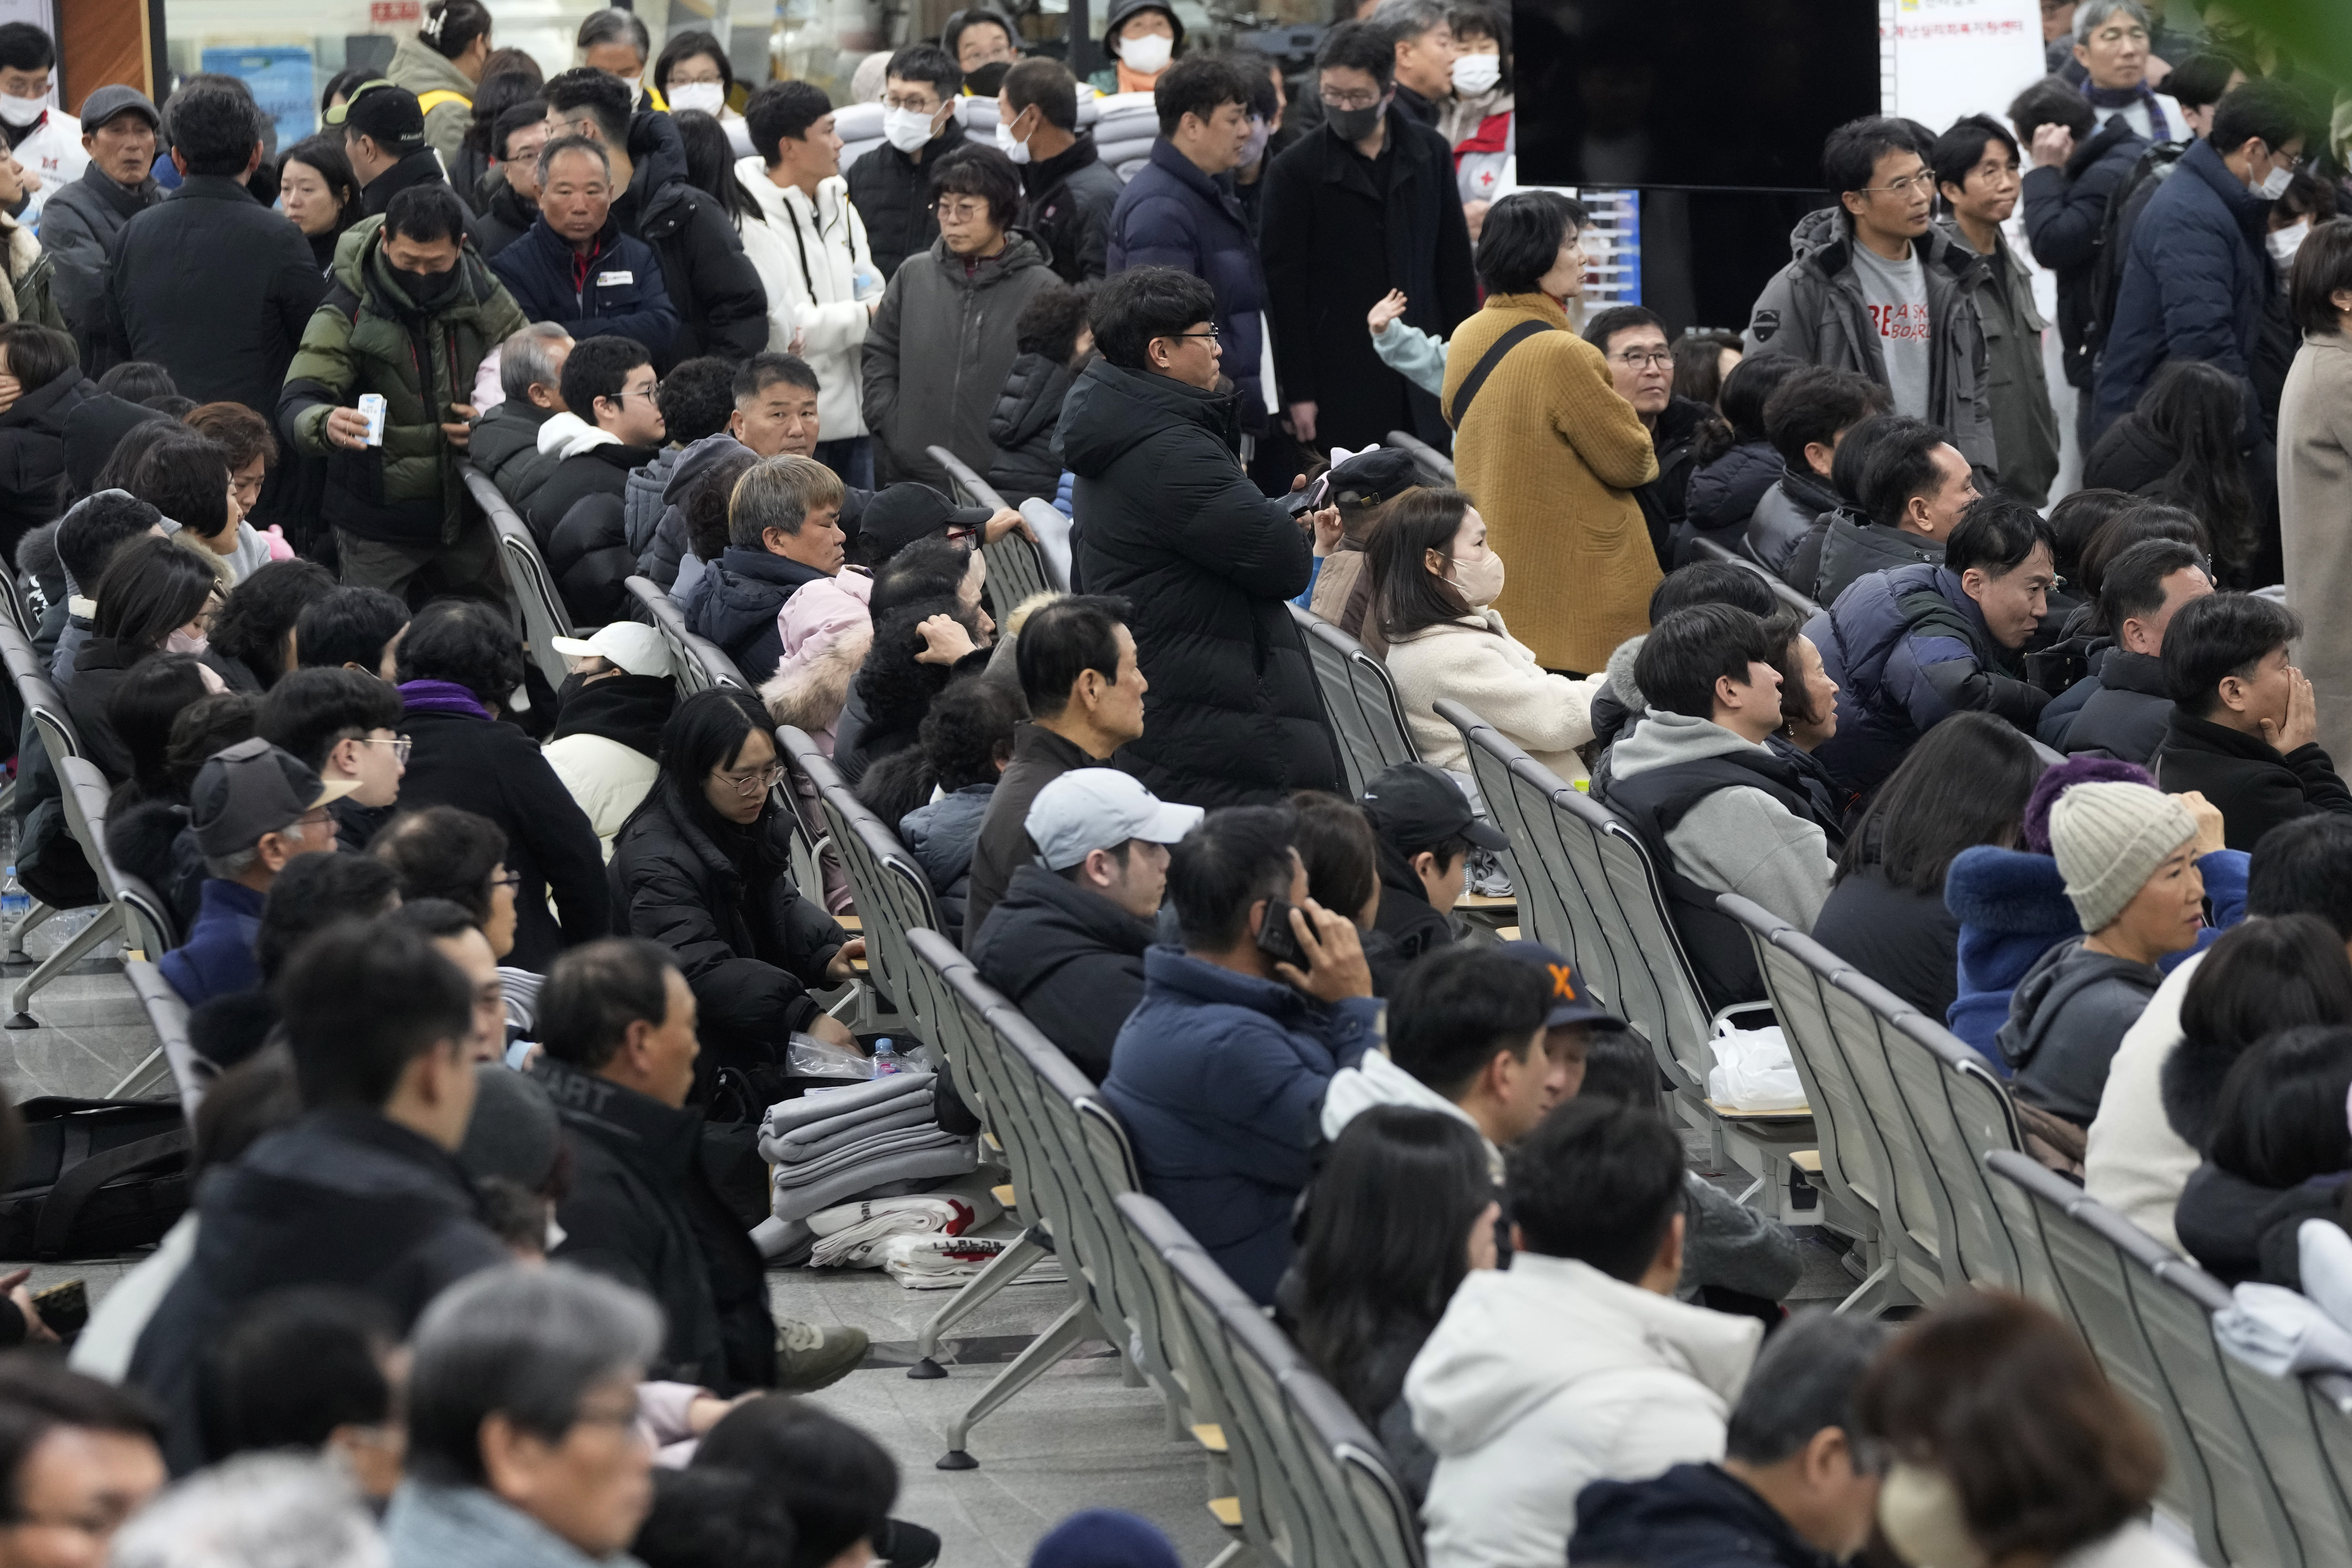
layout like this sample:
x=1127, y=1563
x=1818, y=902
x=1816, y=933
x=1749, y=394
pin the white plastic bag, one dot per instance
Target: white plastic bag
x=1753, y=1071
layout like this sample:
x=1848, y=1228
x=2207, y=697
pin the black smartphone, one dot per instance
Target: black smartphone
x=1308, y=497
x=65, y=1308
x=1277, y=939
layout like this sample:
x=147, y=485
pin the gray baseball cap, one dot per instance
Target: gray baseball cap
x=252, y=788
x=107, y=103
x=1099, y=808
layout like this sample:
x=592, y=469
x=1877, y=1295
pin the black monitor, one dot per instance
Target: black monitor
x=1689, y=94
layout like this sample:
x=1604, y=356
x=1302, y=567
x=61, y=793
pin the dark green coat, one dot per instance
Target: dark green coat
x=367, y=337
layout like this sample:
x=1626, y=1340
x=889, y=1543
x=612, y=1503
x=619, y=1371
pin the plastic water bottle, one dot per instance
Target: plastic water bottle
x=865, y=284
x=885, y=1060
x=14, y=902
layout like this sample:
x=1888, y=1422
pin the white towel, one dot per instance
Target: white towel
x=2281, y=1332
x=936, y=1262
x=850, y=1236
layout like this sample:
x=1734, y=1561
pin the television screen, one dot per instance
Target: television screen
x=1698, y=94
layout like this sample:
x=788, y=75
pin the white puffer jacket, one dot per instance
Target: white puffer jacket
x=1550, y=1374
x=809, y=254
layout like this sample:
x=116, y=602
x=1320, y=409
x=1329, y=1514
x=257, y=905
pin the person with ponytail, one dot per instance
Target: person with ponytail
x=442, y=63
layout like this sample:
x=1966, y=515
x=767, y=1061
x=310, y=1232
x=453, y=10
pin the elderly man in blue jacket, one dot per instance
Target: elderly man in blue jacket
x=1221, y=1071
x=1179, y=210
x=2199, y=274
x=575, y=268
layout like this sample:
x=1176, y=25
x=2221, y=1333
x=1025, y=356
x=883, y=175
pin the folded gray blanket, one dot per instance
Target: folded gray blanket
x=850, y=1155
x=856, y=1116
x=827, y=1137
x=787, y=1114
x=909, y=1170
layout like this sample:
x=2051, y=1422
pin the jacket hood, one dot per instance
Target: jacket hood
x=1692, y=1513
x=422, y=70
x=2191, y=1085
x=1376, y=1081
x=942, y=834
x=1023, y=250
x=567, y=435
x=1110, y=409
x=1822, y=239
x=2009, y=891
x=359, y=267
x=2105, y=139
x=696, y=461
x=774, y=199
x=1662, y=740
x=1499, y=1352
x=658, y=179
x=1062, y=919
x=2059, y=977
x=1620, y=674
x=629, y=710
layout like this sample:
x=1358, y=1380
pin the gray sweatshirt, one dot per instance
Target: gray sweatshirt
x=1736, y=840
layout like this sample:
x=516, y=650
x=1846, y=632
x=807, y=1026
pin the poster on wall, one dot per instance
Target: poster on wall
x=280, y=75
x=1962, y=56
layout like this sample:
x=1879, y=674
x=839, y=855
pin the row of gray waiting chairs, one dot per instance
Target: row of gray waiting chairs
x=1359, y=700
x=701, y=663
x=1017, y=568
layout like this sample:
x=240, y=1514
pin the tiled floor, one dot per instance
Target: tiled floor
x=1078, y=1438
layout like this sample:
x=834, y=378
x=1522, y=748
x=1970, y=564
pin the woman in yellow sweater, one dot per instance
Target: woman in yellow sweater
x=1546, y=445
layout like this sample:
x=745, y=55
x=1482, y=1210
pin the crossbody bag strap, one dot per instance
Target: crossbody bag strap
x=1493, y=357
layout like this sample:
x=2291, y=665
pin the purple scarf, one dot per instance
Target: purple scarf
x=441, y=697
x=2159, y=128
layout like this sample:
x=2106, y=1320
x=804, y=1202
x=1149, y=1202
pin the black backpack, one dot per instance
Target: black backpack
x=97, y=1177
x=2124, y=207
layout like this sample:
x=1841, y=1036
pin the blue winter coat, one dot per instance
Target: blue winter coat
x=1220, y=1079
x=2012, y=908
x=624, y=295
x=1908, y=649
x=941, y=837
x=1171, y=214
x=1693, y=1516
x=2194, y=284
x=737, y=603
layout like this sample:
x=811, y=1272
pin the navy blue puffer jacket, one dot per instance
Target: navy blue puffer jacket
x=1171, y=214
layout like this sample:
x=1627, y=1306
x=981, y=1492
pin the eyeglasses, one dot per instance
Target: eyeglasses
x=748, y=784
x=626, y=393
x=920, y=106
x=962, y=212
x=511, y=881
x=401, y=745
x=1923, y=182
x=1212, y=334
x=1350, y=100
x=1635, y=359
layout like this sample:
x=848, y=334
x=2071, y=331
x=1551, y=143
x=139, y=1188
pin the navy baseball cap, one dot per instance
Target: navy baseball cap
x=1571, y=1002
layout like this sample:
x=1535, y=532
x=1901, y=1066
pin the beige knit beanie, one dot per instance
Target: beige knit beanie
x=2109, y=839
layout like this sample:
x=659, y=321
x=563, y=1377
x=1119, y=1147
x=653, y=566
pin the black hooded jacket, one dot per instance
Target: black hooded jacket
x=1070, y=958
x=737, y=606
x=1722, y=494
x=642, y=1209
x=893, y=194
x=1066, y=202
x=721, y=306
x=1174, y=526
x=33, y=454
x=1028, y=464
x=627, y=709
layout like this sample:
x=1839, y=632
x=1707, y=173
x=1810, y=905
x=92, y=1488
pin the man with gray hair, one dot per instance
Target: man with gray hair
x=2111, y=46
x=1424, y=37
x=254, y=808
x=1798, y=1487
x=505, y=447
x=783, y=530
x=522, y=1405
x=257, y=1510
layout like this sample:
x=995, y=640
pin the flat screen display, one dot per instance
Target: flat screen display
x=1690, y=94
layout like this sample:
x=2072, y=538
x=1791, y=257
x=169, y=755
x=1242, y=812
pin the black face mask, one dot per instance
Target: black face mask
x=424, y=288
x=1355, y=124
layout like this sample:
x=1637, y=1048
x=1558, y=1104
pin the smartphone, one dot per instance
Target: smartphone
x=1277, y=939
x=65, y=1308
x=1308, y=498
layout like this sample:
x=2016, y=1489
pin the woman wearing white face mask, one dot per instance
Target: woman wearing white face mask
x=2006, y=1446
x=693, y=73
x=1141, y=37
x=1480, y=121
x=1435, y=581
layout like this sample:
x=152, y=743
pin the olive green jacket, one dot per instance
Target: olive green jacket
x=366, y=336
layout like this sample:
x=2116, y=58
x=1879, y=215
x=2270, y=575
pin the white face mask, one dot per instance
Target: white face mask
x=1012, y=148
x=22, y=111
x=1145, y=56
x=180, y=642
x=710, y=96
x=2273, y=185
x=1475, y=74
x=2283, y=243
x=908, y=129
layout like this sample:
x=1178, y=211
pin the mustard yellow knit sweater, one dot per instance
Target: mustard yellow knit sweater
x=1549, y=456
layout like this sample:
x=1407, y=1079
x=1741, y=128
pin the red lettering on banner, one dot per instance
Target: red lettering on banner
x=390, y=13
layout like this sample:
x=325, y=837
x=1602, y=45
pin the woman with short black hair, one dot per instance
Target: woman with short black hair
x=156, y=594
x=459, y=665
x=2277, y=1156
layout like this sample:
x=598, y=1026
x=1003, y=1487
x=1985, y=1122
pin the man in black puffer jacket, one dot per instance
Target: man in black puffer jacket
x=578, y=514
x=722, y=308
x=2129, y=707
x=1174, y=526
x=1805, y=418
x=783, y=531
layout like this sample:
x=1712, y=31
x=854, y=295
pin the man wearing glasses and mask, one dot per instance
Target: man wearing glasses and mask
x=1875, y=287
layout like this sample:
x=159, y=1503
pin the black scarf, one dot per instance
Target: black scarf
x=627, y=709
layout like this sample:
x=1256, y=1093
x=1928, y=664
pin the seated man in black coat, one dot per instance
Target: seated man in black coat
x=1909, y=486
x=363, y=1191
x=783, y=530
x=1805, y=419
x=1425, y=829
x=2127, y=709
x=1794, y=1489
x=616, y=1020
x=2244, y=731
x=578, y=514
x=1066, y=942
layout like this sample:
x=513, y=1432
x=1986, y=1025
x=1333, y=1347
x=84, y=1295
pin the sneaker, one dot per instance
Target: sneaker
x=809, y=1358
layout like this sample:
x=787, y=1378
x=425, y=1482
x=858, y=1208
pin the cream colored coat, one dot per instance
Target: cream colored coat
x=1478, y=662
x=2314, y=483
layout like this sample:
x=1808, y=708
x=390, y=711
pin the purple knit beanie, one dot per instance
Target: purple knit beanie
x=2065, y=775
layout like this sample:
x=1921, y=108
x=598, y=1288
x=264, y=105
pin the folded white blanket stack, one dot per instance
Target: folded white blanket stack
x=849, y=1236
x=832, y=1145
x=936, y=1262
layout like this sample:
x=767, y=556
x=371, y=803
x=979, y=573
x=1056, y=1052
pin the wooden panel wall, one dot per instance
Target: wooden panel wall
x=103, y=41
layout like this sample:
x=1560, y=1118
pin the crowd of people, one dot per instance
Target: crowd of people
x=492, y=979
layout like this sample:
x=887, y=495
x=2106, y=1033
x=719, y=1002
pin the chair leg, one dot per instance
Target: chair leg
x=1879, y=1291
x=15, y=953
x=137, y=1074
x=1044, y=1354
x=1003, y=1269
x=108, y=926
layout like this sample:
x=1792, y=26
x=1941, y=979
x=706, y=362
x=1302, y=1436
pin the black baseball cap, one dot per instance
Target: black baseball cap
x=1571, y=1002
x=252, y=788
x=1370, y=479
x=384, y=111
x=900, y=514
x=1416, y=804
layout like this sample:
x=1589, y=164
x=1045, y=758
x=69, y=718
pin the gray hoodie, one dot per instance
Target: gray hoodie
x=1736, y=840
x=2066, y=1019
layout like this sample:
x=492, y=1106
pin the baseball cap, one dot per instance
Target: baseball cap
x=1418, y=805
x=1095, y=808
x=1571, y=1002
x=633, y=646
x=900, y=514
x=252, y=788
x=1370, y=477
x=109, y=103
x=385, y=110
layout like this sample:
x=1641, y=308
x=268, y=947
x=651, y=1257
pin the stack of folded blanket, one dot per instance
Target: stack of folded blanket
x=936, y=1262
x=870, y=1139
x=850, y=1236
